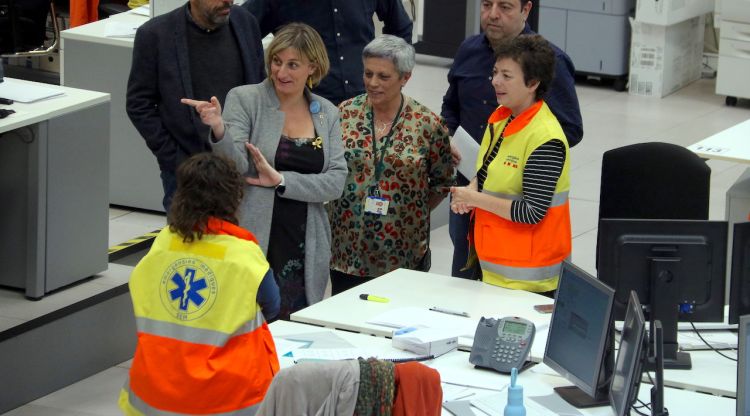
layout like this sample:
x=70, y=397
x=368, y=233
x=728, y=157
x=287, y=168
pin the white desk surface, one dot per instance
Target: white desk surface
x=454, y=367
x=732, y=144
x=74, y=99
x=407, y=288
x=94, y=32
x=711, y=373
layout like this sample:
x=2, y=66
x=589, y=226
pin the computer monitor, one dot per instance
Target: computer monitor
x=743, y=381
x=581, y=322
x=630, y=356
x=739, y=296
x=676, y=267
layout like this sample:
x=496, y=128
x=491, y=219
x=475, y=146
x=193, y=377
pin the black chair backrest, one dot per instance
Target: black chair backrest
x=654, y=181
x=23, y=24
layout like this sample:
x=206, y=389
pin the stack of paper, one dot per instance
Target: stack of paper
x=118, y=29
x=327, y=354
x=424, y=318
x=25, y=92
x=720, y=340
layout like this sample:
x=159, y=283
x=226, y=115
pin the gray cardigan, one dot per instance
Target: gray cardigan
x=252, y=111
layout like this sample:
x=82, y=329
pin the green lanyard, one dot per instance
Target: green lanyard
x=379, y=166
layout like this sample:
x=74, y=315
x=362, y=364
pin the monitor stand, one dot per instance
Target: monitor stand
x=581, y=399
x=664, y=306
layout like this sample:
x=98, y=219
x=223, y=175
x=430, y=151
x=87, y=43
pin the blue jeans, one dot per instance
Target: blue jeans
x=169, y=183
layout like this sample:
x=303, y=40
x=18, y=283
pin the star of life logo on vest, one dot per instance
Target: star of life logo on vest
x=188, y=289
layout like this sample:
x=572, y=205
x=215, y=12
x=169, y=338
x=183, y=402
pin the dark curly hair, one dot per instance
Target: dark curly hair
x=536, y=58
x=208, y=185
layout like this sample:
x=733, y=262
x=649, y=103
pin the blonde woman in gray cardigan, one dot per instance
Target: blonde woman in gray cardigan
x=288, y=141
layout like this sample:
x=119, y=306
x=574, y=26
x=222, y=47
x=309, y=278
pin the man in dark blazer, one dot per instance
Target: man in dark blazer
x=196, y=51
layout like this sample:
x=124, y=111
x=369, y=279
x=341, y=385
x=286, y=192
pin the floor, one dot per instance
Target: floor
x=611, y=120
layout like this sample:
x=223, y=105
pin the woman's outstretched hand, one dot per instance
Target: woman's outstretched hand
x=210, y=112
x=267, y=176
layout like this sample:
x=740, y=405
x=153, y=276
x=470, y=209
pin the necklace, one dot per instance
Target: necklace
x=381, y=127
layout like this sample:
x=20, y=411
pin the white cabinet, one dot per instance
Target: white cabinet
x=734, y=51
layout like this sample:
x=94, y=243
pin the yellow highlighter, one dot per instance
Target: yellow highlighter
x=374, y=298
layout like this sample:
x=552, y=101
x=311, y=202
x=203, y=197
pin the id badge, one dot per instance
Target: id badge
x=376, y=205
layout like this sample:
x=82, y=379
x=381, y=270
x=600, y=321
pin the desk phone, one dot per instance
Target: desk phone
x=502, y=344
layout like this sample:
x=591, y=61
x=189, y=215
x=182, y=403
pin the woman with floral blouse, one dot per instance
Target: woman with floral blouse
x=398, y=154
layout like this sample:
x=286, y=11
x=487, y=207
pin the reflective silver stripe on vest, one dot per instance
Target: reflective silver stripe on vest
x=502, y=195
x=195, y=335
x=529, y=274
x=557, y=199
x=144, y=407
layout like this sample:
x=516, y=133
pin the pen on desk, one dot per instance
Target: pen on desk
x=6, y=101
x=374, y=298
x=450, y=311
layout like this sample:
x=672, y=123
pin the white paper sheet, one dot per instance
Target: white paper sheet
x=116, y=29
x=23, y=92
x=285, y=346
x=144, y=10
x=347, y=354
x=720, y=340
x=425, y=318
x=469, y=150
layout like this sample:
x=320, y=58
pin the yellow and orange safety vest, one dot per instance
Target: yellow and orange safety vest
x=518, y=255
x=203, y=344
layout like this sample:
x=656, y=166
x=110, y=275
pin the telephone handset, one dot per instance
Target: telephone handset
x=502, y=344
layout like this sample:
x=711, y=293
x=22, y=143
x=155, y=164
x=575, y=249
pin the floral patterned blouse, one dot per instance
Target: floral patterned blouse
x=417, y=165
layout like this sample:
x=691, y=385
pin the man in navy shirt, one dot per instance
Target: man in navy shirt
x=346, y=27
x=470, y=98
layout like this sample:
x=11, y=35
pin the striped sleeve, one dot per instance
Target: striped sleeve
x=543, y=169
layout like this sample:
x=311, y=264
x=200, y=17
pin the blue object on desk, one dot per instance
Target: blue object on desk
x=515, y=405
x=404, y=330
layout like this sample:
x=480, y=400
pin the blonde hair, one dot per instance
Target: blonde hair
x=307, y=41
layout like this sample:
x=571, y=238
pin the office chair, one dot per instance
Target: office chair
x=109, y=7
x=333, y=387
x=654, y=181
x=23, y=27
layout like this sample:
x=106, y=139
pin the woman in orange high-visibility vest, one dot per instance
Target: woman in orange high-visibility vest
x=519, y=196
x=201, y=297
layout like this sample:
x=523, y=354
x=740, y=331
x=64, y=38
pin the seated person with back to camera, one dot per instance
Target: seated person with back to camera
x=201, y=298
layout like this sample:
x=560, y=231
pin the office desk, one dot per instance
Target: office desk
x=411, y=288
x=93, y=61
x=54, y=178
x=730, y=144
x=454, y=368
x=710, y=374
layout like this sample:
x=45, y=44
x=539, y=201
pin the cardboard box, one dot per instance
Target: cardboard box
x=669, y=12
x=664, y=59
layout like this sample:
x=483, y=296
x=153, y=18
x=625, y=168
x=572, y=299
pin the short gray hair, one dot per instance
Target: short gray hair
x=394, y=48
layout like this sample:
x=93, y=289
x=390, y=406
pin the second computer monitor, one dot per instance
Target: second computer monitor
x=677, y=268
x=743, y=379
x=739, y=298
x=627, y=374
x=580, y=322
